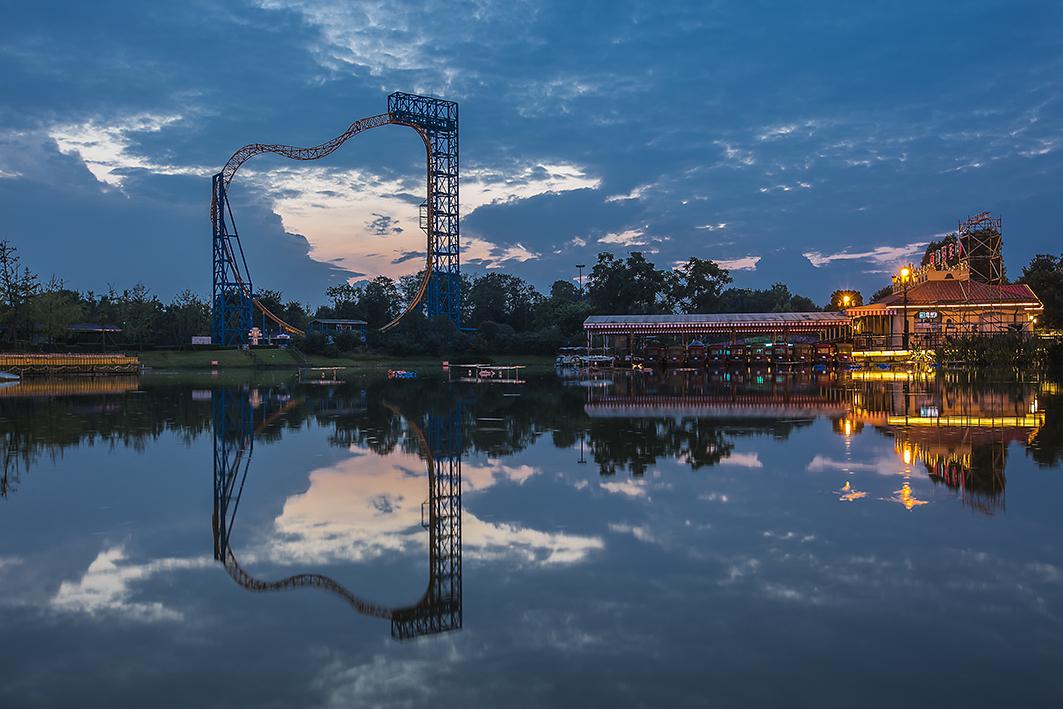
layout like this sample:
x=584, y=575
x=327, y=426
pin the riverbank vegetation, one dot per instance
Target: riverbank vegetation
x=501, y=313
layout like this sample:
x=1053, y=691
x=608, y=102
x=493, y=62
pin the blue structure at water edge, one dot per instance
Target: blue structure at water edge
x=438, y=121
x=439, y=294
x=232, y=314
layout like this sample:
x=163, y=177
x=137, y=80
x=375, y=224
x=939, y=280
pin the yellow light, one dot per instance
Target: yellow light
x=907, y=455
x=848, y=428
x=905, y=272
x=845, y=300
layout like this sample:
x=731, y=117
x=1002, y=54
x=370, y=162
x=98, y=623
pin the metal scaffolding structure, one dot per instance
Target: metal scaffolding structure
x=439, y=121
x=436, y=122
x=239, y=416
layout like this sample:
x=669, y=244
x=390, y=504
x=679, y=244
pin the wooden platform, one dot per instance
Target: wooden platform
x=26, y=365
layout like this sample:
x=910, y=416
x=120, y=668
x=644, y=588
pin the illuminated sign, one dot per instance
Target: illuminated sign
x=928, y=315
x=947, y=256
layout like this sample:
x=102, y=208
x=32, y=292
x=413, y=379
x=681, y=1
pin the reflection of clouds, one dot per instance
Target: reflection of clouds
x=886, y=465
x=367, y=506
x=106, y=586
x=630, y=488
x=640, y=532
x=743, y=460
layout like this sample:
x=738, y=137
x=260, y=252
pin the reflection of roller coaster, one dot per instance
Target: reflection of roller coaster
x=440, y=608
x=436, y=121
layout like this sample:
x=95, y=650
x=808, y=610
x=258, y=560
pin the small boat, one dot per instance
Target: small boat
x=401, y=374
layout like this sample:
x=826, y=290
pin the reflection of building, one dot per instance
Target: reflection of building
x=239, y=417
x=959, y=433
x=790, y=395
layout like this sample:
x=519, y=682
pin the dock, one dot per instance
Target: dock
x=28, y=365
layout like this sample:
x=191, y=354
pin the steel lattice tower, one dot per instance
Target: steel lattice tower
x=231, y=305
x=439, y=120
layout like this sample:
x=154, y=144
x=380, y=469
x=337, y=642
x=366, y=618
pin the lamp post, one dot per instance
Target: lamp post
x=581, y=266
x=845, y=301
x=906, y=274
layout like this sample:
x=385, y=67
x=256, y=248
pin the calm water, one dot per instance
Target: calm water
x=673, y=540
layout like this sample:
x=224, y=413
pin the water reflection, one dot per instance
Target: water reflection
x=241, y=416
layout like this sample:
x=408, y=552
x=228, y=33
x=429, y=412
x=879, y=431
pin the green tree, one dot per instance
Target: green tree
x=699, y=285
x=17, y=286
x=380, y=301
x=632, y=286
x=54, y=310
x=1044, y=274
x=186, y=316
x=881, y=293
x=838, y=299
x=139, y=312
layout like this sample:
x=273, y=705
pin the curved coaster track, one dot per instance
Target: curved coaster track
x=436, y=122
x=439, y=609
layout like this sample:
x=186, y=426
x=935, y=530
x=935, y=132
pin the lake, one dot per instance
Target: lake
x=669, y=539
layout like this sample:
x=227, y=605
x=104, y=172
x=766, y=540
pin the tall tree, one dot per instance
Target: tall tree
x=54, y=310
x=1044, y=274
x=699, y=285
x=17, y=286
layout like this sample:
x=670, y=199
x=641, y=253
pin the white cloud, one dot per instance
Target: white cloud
x=743, y=460
x=735, y=154
x=744, y=263
x=107, y=149
x=367, y=506
x=881, y=255
x=713, y=227
x=635, y=194
x=483, y=186
x=333, y=207
x=629, y=488
x=107, y=586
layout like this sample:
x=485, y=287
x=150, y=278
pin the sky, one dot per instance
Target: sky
x=818, y=144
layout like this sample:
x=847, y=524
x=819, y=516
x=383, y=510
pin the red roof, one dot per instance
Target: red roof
x=959, y=292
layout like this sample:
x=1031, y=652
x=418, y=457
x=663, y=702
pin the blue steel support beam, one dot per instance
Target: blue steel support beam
x=231, y=306
x=439, y=119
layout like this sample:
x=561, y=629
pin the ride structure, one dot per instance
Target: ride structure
x=240, y=416
x=435, y=120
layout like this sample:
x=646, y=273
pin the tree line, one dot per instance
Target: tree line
x=500, y=312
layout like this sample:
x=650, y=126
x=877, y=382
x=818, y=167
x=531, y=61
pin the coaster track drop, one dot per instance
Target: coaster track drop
x=436, y=122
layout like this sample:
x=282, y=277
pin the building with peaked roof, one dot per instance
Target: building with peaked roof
x=940, y=303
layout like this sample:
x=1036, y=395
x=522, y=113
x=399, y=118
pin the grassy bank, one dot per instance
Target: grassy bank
x=289, y=359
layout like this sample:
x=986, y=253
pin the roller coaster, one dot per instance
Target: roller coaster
x=233, y=301
x=236, y=424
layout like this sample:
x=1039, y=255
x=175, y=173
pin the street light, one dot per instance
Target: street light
x=906, y=274
x=846, y=300
x=581, y=266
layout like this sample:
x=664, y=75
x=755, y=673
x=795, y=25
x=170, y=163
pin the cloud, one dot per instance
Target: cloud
x=629, y=488
x=880, y=255
x=367, y=506
x=743, y=460
x=743, y=263
x=712, y=227
x=108, y=149
x=107, y=587
x=635, y=194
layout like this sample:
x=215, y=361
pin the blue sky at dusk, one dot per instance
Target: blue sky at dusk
x=821, y=144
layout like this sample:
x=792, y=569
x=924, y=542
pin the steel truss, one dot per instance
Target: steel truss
x=436, y=121
x=440, y=608
x=231, y=293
